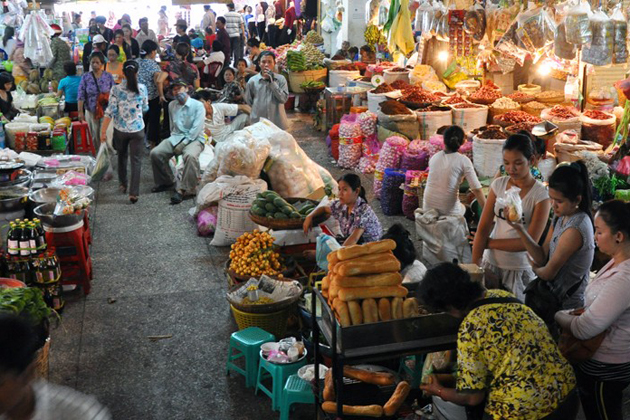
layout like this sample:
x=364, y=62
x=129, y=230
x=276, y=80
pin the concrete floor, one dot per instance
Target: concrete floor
x=153, y=276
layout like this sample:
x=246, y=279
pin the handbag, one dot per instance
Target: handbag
x=102, y=100
x=542, y=300
x=575, y=350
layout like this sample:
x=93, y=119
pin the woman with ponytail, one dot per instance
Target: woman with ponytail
x=127, y=102
x=151, y=75
x=565, y=259
x=357, y=220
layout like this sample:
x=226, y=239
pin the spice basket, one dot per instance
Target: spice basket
x=274, y=323
x=493, y=112
x=41, y=362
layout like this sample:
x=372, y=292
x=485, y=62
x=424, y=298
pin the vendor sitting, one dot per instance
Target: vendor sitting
x=357, y=220
x=215, y=125
x=411, y=269
x=368, y=56
x=6, y=100
x=448, y=169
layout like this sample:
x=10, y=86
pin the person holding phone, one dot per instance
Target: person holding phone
x=267, y=92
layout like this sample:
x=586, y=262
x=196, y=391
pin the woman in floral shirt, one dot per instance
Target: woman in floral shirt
x=151, y=75
x=92, y=84
x=127, y=103
x=357, y=220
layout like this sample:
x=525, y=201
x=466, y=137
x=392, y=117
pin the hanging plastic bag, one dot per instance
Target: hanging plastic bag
x=511, y=203
x=103, y=168
x=507, y=46
x=600, y=51
x=536, y=30
x=562, y=48
x=620, y=35
x=475, y=22
x=578, y=27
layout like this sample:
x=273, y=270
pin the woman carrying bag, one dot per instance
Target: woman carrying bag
x=604, y=325
x=128, y=101
x=94, y=94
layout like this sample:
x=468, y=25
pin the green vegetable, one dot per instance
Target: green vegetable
x=606, y=186
x=270, y=208
x=280, y=215
x=258, y=211
x=25, y=301
x=313, y=84
x=296, y=61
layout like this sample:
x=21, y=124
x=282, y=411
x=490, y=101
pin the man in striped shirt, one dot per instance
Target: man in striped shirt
x=22, y=396
x=235, y=27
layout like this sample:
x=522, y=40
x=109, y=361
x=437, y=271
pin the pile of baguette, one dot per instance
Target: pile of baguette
x=375, y=378
x=364, y=285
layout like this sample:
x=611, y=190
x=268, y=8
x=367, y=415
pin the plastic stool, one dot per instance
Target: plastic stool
x=416, y=373
x=86, y=225
x=296, y=390
x=82, y=138
x=246, y=343
x=73, y=252
x=279, y=374
x=74, y=115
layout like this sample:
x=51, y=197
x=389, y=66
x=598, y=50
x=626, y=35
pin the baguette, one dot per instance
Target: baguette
x=375, y=378
x=325, y=283
x=370, y=311
x=397, y=308
x=329, y=388
x=383, y=279
x=356, y=251
x=333, y=289
x=356, y=314
x=332, y=258
x=357, y=293
x=410, y=308
x=384, y=309
x=354, y=410
x=378, y=263
x=397, y=399
x=341, y=308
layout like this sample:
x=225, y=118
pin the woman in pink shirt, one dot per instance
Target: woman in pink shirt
x=602, y=379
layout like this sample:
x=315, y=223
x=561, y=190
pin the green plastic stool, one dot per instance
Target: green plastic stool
x=246, y=343
x=416, y=373
x=296, y=390
x=279, y=374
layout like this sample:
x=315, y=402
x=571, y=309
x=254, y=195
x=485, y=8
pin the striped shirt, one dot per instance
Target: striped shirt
x=233, y=22
x=54, y=402
x=606, y=371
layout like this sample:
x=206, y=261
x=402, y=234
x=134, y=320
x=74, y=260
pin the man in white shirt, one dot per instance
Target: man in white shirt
x=22, y=395
x=145, y=33
x=235, y=27
x=215, y=125
x=208, y=19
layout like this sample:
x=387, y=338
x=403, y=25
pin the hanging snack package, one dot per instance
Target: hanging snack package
x=562, y=48
x=475, y=22
x=511, y=204
x=536, y=30
x=507, y=46
x=620, y=34
x=499, y=19
x=600, y=51
x=578, y=27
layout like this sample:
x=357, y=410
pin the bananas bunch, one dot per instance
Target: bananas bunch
x=372, y=35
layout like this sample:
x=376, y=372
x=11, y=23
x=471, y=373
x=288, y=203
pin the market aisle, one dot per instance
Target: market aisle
x=155, y=277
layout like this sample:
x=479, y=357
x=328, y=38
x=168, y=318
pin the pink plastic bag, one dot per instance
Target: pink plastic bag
x=207, y=221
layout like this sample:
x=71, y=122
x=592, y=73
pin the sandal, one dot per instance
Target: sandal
x=133, y=199
x=122, y=189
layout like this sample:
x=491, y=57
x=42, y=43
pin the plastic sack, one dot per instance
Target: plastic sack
x=367, y=122
x=70, y=179
x=391, y=192
x=410, y=197
x=242, y=154
x=207, y=221
x=349, y=127
x=444, y=238
x=535, y=30
x=291, y=172
x=350, y=151
x=389, y=157
x=103, y=168
x=620, y=35
x=561, y=47
x=512, y=203
x=578, y=27
x=324, y=246
x=71, y=201
x=508, y=45
x=601, y=131
x=475, y=22
x=406, y=124
x=600, y=50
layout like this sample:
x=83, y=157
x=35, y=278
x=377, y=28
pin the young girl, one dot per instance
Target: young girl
x=231, y=93
x=540, y=151
x=500, y=250
x=114, y=67
x=357, y=220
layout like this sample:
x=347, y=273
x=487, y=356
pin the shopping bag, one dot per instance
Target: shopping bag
x=103, y=168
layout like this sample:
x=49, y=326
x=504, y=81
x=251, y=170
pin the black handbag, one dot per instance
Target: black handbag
x=542, y=300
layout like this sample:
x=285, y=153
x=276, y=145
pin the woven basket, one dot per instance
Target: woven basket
x=234, y=279
x=532, y=111
x=274, y=323
x=41, y=361
x=493, y=112
x=287, y=224
x=268, y=308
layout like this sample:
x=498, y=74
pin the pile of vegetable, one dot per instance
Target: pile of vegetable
x=269, y=204
x=313, y=37
x=27, y=302
x=313, y=84
x=296, y=61
x=314, y=57
x=253, y=255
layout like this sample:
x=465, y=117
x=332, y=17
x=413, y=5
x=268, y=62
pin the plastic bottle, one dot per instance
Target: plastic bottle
x=2, y=138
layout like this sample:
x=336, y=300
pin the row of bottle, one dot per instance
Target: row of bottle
x=26, y=238
x=42, y=271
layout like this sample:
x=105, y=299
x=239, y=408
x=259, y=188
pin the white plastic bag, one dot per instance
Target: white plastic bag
x=513, y=203
x=444, y=238
x=103, y=168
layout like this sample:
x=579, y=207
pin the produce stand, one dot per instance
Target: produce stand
x=376, y=341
